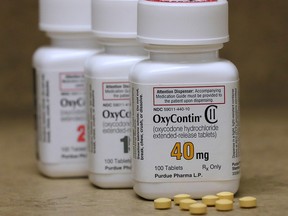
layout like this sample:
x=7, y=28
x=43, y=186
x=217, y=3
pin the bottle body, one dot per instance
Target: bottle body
x=61, y=109
x=108, y=97
x=185, y=114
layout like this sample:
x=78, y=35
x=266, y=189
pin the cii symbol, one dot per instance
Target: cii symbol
x=210, y=114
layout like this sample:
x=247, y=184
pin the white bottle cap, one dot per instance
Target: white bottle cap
x=114, y=18
x=65, y=15
x=193, y=22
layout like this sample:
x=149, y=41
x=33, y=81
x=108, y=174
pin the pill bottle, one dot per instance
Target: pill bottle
x=60, y=87
x=185, y=101
x=108, y=92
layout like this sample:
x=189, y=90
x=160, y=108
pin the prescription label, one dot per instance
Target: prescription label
x=61, y=117
x=109, y=125
x=186, y=132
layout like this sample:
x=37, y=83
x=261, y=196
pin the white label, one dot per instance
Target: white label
x=61, y=117
x=186, y=133
x=109, y=125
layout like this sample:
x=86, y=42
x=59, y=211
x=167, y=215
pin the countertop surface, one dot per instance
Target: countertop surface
x=23, y=191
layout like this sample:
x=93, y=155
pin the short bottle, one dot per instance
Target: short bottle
x=60, y=87
x=108, y=92
x=185, y=102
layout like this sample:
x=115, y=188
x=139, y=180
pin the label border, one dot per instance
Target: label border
x=71, y=89
x=187, y=104
x=113, y=99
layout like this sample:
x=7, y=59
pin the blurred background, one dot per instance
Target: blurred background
x=258, y=47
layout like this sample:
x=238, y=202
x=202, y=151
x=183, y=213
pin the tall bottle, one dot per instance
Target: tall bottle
x=185, y=101
x=60, y=87
x=108, y=92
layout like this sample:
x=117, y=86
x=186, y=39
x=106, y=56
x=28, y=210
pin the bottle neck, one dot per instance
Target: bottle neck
x=123, y=47
x=83, y=40
x=189, y=53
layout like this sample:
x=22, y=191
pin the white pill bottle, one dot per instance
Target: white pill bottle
x=60, y=87
x=185, y=101
x=108, y=92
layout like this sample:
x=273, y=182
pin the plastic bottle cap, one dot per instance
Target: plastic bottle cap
x=114, y=18
x=65, y=15
x=183, y=23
